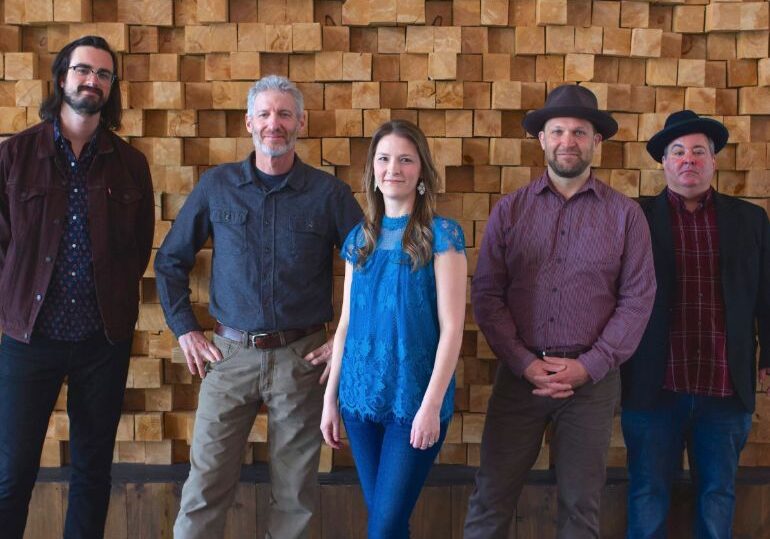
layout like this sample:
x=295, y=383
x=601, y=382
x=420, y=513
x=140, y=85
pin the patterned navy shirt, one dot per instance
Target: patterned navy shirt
x=70, y=311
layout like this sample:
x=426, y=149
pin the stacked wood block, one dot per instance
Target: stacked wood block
x=466, y=71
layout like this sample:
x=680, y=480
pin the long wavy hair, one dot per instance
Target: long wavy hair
x=417, y=241
x=112, y=111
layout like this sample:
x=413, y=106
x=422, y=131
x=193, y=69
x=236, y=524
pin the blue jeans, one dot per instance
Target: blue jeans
x=31, y=377
x=391, y=472
x=714, y=431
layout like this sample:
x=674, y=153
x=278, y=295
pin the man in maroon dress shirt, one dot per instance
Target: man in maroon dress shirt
x=693, y=378
x=562, y=292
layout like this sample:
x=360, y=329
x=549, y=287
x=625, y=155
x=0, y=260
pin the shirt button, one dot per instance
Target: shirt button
x=554, y=289
x=74, y=217
x=563, y=232
x=38, y=297
x=73, y=301
x=74, y=246
x=551, y=319
x=558, y=260
x=73, y=273
x=48, y=259
x=76, y=189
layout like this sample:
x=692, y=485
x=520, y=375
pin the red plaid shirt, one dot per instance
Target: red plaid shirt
x=698, y=359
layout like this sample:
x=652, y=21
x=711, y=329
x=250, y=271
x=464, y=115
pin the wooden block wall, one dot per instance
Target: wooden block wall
x=465, y=70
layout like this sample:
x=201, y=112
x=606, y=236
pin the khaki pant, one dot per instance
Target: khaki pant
x=229, y=398
x=513, y=434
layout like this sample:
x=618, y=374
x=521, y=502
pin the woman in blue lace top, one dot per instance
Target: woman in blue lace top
x=400, y=329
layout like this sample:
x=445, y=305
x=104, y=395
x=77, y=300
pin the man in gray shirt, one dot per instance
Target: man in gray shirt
x=274, y=222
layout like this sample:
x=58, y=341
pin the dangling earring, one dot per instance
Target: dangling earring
x=421, y=187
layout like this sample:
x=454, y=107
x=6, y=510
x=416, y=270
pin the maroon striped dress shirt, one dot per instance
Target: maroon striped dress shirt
x=565, y=274
x=698, y=359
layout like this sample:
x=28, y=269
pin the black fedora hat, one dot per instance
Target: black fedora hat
x=571, y=101
x=682, y=123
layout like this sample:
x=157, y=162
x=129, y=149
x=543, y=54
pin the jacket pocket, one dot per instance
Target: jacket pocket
x=29, y=207
x=123, y=204
x=229, y=230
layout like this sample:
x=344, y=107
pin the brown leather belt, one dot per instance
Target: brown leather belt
x=566, y=354
x=274, y=339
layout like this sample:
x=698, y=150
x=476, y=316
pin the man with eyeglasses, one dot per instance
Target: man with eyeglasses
x=76, y=228
x=692, y=381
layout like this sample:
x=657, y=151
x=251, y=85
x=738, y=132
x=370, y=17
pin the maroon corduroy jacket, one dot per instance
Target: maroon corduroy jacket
x=33, y=204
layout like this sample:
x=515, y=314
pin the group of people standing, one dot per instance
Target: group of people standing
x=578, y=290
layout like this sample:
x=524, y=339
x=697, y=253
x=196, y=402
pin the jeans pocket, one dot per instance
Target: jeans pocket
x=227, y=347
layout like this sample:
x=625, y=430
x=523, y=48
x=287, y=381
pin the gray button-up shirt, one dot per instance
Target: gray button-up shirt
x=272, y=260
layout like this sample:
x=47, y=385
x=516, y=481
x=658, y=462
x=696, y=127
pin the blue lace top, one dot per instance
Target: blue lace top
x=393, y=330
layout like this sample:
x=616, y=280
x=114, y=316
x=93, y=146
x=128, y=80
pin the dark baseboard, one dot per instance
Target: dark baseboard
x=441, y=475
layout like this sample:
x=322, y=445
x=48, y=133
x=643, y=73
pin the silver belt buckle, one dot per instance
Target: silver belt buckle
x=254, y=336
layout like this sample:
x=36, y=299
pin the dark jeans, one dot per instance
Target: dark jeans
x=391, y=473
x=31, y=377
x=714, y=430
x=512, y=439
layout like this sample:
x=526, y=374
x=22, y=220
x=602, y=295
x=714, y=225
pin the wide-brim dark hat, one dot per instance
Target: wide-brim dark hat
x=571, y=101
x=682, y=123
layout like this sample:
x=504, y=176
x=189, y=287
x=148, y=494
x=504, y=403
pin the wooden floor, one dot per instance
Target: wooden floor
x=144, y=505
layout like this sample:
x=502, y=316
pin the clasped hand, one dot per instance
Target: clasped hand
x=556, y=377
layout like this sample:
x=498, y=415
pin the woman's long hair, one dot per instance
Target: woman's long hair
x=417, y=241
x=111, y=112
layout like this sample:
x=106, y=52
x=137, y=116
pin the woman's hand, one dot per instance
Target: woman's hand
x=426, y=428
x=330, y=424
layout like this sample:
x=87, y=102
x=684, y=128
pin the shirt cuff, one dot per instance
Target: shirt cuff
x=184, y=323
x=594, y=364
x=519, y=361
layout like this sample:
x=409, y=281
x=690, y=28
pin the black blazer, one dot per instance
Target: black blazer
x=744, y=252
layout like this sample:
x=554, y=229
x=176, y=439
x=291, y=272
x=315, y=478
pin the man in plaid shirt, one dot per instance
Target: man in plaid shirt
x=692, y=380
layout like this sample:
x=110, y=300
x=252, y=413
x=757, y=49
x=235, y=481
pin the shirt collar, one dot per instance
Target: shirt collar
x=295, y=180
x=544, y=183
x=676, y=201
x=63, y=143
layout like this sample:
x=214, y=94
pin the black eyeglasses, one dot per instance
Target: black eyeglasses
x=103, y=75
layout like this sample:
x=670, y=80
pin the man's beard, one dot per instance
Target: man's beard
x=568, y=172
x=276, y=151
x=88, y=104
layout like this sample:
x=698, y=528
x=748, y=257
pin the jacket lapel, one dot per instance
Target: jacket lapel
x=729, y=229
x=662, y=241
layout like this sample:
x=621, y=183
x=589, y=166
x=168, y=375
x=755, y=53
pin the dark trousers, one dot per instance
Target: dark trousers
x=31, y=376
x=714, y=430
x=513, y=434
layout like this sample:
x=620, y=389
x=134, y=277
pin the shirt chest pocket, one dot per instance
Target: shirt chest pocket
x=307, y=235
x=229, y=230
